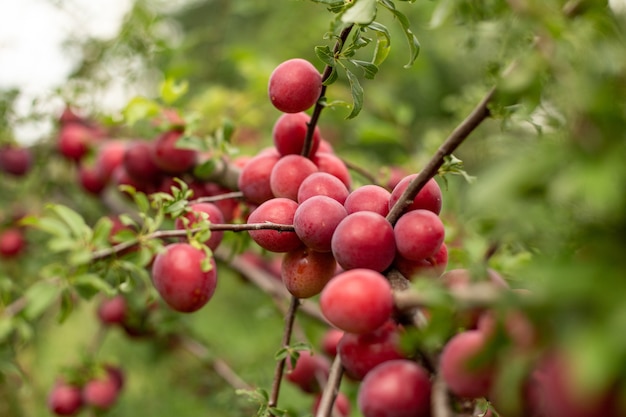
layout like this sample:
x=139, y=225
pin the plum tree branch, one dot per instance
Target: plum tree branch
x=460, y=133
x=330, y=389
x=280, y=365
x=319, y=106
x=220, y=367
x=162, y=234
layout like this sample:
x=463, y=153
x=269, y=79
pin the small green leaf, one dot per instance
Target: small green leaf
x=172, y=91
x=383, y=42
x=357, y=94
x=6, y=328
x=332, y=77
x=370, y=69
x=74, y=220
x=281, y=354
x=140, y=108
x=101, y=232
x=194, y=143
x=414, y=45
x=67, y=305
x=39, y=297
x=325, y=55
x=90, y=284
x=205, y=169
x=142, y=202
x=361, y=12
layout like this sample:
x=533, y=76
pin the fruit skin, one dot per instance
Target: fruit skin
x=309, y=369
x=322, y=183
x=396, y=388
x=179, y=279
x=562, y=397
x=169, y=158
x=316, y=220
x=368, y=197
x=330, y=341
x=288, y=174
x=305, y=272
x=194, y=216
x=12, y=242
x=289, y=133
x=364, y=240
x=357, y=301
x=360, y=353
x=139, y=163
x=65, y=399
x=101, y=393
x=294, y=86
x=15, y=160
x=112, y=310
x=433, y=266
x=332, y=164
x=75, y=140
x=418, y=234
x=276, y=210
x=254, y=180
x=429, y=197
x=462, y=369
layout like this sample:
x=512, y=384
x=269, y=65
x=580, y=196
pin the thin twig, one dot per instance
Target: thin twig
x=280, y=365
x=462, y=131
x=319, y=106
x=267, y=283
x=219, y=197
x=330, y=389
x=440, y=398
x=162, y=234
x=220, y=367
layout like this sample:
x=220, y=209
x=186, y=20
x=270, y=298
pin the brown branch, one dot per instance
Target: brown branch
x=280, y=365
x=219, y=197
x=319, y=106
x=440, y=399
x=460, y=133
x=267, y=283
x=220, y=367
x=361, y=171
x=163, y=234
x=481, y=294
x=331, y=389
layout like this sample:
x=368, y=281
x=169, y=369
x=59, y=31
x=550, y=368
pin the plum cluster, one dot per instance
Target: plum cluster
x=97, y=388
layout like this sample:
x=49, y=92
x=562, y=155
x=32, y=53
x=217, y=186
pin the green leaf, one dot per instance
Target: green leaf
x=142, y=202
x=171, y=90
x=383, y=42
x=75, y=221
x=325, y=55
x=39, y=297
x=205, y=169
x=6, y=328
x=361, y=12
x=193, y=142
x=67, y=305
x=414, y=45
x=357, y=94
x=332, y=77
x=140, y=108
x=101, y=232
x=90, y=284
x=370, y=69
